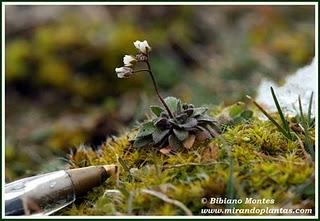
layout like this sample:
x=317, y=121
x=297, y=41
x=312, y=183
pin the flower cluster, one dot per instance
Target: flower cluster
x=130, y=61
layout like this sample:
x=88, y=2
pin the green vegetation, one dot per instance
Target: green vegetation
x=61, y=90
x=63, y=96
x=304, y=123
x=252, y=158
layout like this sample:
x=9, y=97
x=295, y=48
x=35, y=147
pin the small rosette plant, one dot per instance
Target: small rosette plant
x=180, y=131
x=177, y=125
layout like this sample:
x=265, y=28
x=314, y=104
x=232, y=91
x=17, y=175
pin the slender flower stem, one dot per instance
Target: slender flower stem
x=141, y=70
x=157, y=90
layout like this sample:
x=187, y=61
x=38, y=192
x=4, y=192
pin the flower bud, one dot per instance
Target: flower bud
x=141, y=57
x=124, y=72
x=142, y=46
x=129, y=61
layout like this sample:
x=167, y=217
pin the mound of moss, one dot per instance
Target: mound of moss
x=249, y=160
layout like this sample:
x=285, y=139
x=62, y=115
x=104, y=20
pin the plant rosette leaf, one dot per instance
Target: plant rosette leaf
x=146, y=129
x=178, y=132
x=172, y=103
x=156, y=110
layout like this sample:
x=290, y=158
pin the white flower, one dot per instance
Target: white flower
x=124, y=72
x=129, y=60
x=142, y=46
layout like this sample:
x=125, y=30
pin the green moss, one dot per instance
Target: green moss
x=266, y=165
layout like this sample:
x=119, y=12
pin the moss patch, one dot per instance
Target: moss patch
x=266, y=165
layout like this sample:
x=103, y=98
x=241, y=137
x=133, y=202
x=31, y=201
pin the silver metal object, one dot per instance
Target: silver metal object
x=47, y=193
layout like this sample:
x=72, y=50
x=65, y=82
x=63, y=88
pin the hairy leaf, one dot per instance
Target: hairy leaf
x=205, y=118
x=212, y=131
x=142, y=141
x=172, y=103
x=189, y=123
x=201, y=128
x=146, y=129
x=162, y=123
x=181, y=134
x=179, y=106
x=204, y=130
x=174, y=142
x=158, y=135
x=156, y=110
x=199, y=111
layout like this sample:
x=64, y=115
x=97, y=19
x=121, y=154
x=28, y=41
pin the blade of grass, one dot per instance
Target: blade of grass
x=309, y=109
x=303, y=120
x=283, y=131
x=230, y=191
x=306, y=132
x=283, y=119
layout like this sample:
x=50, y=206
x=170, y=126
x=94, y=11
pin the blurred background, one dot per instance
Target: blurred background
x=60, y=85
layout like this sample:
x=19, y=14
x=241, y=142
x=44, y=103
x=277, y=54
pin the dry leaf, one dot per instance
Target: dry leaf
x=166, y=150
x=188, y=143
